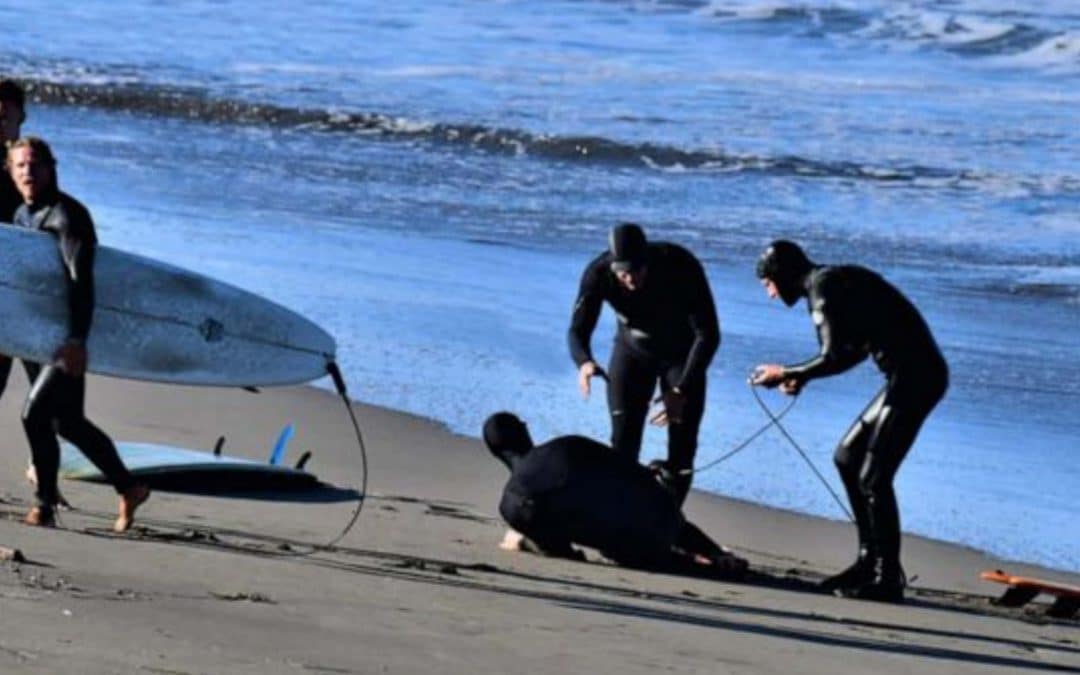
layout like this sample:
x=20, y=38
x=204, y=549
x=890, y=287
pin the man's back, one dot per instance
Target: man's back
x=869, y=314
x=592, y=497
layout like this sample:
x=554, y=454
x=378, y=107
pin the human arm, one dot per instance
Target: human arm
x=704, y=325
x=78, y=245
x=583, y=321
x=831, y=308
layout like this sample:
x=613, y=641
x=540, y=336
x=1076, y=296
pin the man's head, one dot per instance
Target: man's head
x=12, y=110
x=507, y=437
x=782, y=269
x=629, y=255
x=32, y=166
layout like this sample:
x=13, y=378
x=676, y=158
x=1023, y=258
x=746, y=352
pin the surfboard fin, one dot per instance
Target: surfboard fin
x=278, y=453
x=218, y=446
x=303, y=460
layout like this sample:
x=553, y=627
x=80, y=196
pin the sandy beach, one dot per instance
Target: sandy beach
x=216, y=585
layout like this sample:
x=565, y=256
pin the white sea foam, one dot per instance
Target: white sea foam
x=1058, y=53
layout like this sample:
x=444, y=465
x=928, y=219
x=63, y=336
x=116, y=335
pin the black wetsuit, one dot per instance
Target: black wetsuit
x=55, y=404
x=10, y=199
x=575, y=490
x=667, y=331
x=859, y=314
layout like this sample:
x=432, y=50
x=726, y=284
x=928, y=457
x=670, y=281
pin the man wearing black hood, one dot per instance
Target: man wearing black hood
x=667, y=332
x=573, y=490
x=858, y=314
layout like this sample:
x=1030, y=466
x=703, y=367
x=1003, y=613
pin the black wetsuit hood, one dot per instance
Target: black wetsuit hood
x=628, y=247
x=507, y=437
x=786, y=265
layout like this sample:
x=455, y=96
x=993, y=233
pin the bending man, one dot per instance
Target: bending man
x=573, y=490
x=859, y=314
x=667, y=332
x=55, y=402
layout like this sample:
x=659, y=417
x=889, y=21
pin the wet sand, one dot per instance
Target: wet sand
x=230, y=585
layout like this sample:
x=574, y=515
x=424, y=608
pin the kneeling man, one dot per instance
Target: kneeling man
x=574, y=490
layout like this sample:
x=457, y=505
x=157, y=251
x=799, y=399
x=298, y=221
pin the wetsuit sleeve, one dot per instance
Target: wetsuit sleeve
x=839, y=350
x=586, y=313
x=703, y=323
x=78, y=244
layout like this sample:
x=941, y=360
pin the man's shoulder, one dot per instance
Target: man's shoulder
x=598, y=271
x=574, y=443
x=853, y=283
x=71, y=207
x=677, y=255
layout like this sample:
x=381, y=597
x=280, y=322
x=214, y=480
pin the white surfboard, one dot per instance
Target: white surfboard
x=153, y=321
x=167, y=466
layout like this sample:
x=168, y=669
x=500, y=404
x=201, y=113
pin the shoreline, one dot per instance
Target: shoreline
x=209, y=584
x=1047, y=571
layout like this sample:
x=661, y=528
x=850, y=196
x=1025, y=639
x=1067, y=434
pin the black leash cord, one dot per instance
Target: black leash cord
x=775, y=421
x=741, y=446
x=339, y=384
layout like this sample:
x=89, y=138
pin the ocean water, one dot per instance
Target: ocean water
x=428, y=180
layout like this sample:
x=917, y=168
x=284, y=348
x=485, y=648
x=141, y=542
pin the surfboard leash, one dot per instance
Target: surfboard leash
x=339, y=384
x=774, y=420
x=741, y=446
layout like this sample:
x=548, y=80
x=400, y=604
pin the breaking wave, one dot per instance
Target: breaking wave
x=197, y=104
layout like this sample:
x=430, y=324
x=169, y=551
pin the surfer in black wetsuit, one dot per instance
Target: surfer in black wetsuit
x=55, y=403
x=858, y=314
x=12, y=116
x=667, y=331
x=573, y=490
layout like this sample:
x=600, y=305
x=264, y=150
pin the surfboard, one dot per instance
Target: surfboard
x=1022, y=590
x=170, y=467
x=154, y=321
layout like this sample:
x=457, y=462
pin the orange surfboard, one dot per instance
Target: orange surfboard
x=1023, y=590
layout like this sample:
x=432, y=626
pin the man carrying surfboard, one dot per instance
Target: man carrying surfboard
x=858, y=314
x=667, y=333
x=55, y=403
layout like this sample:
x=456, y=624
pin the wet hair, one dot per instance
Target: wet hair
x=628, y=246
x=12, y=92
x=38, y=145
x=506, y=436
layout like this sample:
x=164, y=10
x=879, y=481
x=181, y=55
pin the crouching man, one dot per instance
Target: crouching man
x=573, y=490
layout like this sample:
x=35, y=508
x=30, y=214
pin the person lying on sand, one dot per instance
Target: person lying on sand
x=574, y=490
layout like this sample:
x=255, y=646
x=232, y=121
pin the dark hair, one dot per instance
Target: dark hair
x=38, y=145
x=12, y=92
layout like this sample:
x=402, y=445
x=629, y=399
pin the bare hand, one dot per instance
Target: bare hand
x=767, y=375
x=791, y=386
x=672, y=410
x=71, y=358
x=584, y=375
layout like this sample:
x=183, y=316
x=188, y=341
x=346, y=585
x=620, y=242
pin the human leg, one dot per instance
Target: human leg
x=683, y=433
x=849, y=458
x=71, y=424
x=38, y=420
x=632, y=380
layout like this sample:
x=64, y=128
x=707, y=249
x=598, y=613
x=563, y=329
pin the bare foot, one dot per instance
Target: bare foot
x=511, y=541
x=129, y=501
x=40, y=516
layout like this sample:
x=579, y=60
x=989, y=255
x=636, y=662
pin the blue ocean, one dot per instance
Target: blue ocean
x=428, y=180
